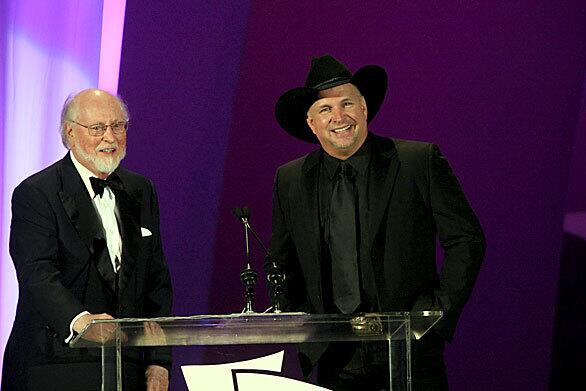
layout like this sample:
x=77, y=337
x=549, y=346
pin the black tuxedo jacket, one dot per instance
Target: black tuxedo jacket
x=63, y=267
x=413, y=198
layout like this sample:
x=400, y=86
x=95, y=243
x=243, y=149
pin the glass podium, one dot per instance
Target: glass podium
x=397, y=328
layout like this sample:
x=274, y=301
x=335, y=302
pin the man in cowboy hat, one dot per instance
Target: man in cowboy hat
x=355, y=225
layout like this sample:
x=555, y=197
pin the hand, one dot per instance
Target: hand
x=100, y=333
x=157, y=378
x=154, y=334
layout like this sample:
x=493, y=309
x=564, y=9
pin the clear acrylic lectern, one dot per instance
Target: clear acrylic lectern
x=244, y=329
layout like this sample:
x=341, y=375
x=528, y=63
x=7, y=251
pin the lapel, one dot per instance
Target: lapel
x=384, y=167
x=84, y=218
x=128, y=212
x=306, y=199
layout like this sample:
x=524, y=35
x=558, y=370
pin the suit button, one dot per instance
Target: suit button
x=120, y=308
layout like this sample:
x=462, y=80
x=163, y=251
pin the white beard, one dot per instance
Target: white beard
x=105, y=165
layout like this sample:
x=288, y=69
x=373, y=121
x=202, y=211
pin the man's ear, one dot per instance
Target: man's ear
x=309, y=121
x=69, y=131
x=363, y=106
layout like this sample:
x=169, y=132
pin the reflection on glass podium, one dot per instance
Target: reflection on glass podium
x=262, y=373
x=255, y=380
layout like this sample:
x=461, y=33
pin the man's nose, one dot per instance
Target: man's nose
x=337, y=114
x=109, y=134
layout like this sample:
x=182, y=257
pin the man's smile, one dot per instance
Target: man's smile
x=107, y=150
x=345, y=128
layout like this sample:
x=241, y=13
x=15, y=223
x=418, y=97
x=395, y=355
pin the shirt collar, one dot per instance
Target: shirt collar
x=359, y=161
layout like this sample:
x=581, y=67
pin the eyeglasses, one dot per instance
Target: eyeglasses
x=119, y=127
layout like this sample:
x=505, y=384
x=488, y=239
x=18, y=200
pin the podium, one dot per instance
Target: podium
x=254, y=328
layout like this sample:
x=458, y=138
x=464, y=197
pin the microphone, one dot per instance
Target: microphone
x=241, y=213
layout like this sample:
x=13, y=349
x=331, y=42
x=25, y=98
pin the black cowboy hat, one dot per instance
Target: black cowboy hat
x=327, y=72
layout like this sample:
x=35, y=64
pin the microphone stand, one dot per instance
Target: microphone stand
x=275, y=278
x=249, y=276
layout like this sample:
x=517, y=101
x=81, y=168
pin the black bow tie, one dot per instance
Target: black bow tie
x=113, y=182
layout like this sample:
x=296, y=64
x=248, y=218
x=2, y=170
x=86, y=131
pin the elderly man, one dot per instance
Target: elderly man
x=355, y=226
x=85, y=243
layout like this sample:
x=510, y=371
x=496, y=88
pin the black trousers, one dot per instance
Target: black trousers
x=364, y=366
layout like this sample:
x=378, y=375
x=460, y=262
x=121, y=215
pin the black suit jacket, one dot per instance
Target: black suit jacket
x=63, y=267
x=413, y=199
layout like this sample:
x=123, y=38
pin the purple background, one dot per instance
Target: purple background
x=569, y=346
x=497, y=85
x=576, y=199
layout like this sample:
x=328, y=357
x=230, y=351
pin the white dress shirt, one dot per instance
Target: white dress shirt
x=106, y=207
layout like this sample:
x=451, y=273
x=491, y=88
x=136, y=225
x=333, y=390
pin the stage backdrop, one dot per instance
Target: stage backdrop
x=47, y=51
x=496, y=84
x=569, y=348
